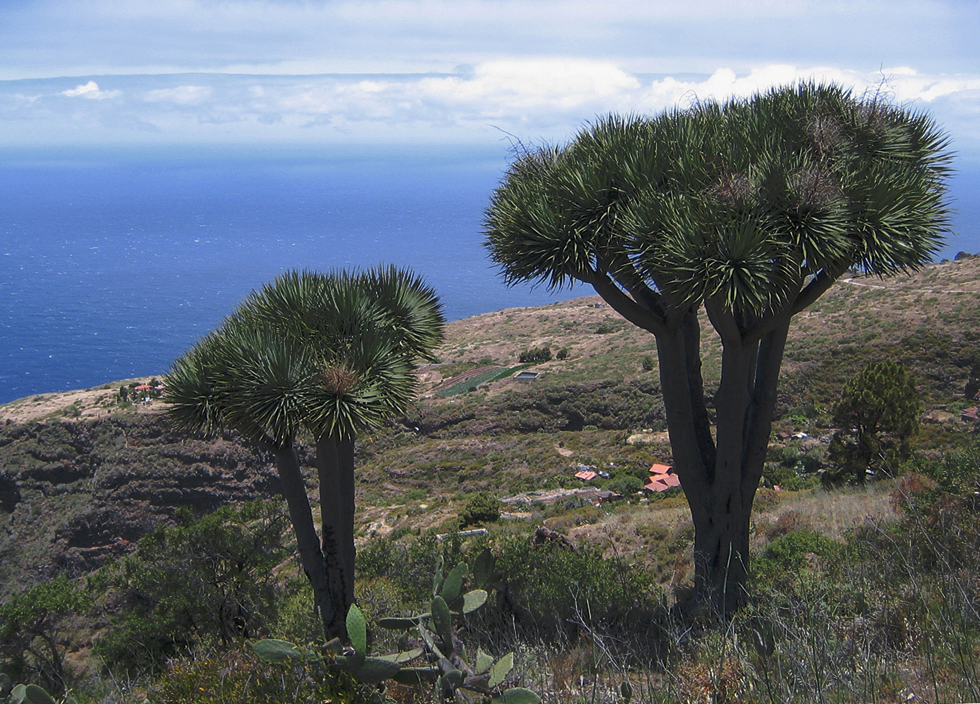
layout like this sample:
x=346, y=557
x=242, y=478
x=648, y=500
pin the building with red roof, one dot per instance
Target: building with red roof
x=662, y=478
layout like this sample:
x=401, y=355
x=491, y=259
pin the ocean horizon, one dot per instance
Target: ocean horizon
x=115, y=261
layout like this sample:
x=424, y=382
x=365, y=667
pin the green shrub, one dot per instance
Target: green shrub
x=482, y=508
x=551, y=586
x=607, y=327
x=406, y=566
x=956, y=473
x=536, y=355
x=204, y=579
x=237, y=676
x=33, y=630
x=788, y=478
x=414, y=495
x=548, y=587
x=791, y=555
x=792, y=468
x=626, y=484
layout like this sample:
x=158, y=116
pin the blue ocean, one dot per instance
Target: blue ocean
x=114, y=261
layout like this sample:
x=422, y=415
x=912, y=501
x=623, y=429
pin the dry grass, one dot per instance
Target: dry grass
x=831, y=513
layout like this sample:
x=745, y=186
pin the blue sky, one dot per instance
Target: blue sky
x=452, y=71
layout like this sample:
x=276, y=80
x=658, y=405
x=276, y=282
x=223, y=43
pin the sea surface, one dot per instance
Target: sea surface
x=114, y=261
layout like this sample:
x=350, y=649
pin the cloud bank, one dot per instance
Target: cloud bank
x=535, y=100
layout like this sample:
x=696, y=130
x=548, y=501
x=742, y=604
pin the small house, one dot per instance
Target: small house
x=662, y=478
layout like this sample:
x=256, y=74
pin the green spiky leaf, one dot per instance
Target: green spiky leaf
x=517, y=695
x=473, y=600
x=483, y=568
x=333, y=647
x=376, y=670
x=452, y=680
x=417, y=675
x=442, y=619
x=349, y=663
x=279, y=652
x=483, y=661
x=437, y=576
x=404, y=656
x=36, y=695
x=357, y=630
x=397, y=623
x=500, y=670
x=453, y=585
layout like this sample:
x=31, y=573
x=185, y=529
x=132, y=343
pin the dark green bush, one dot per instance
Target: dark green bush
x=548, y=587
x=793, y=555
x=551, y=587
x=237, y=676
x=536, y=355
x=792, y=468
x=34, y=627
x=955, y=473
x=482, y=508
x=207, y=579
x=626, y=484
x=607, y=327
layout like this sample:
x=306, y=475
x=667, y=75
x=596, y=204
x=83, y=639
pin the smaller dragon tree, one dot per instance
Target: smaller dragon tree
x=331, y=355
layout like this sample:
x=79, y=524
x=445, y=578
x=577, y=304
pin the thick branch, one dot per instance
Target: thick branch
x=724, y=322
x=626, y=276
x=627, y=307
x=311, y=556
x=687, y=421
x=817, y=287
x=330, y=468
x=691, y=331
x=763, y=406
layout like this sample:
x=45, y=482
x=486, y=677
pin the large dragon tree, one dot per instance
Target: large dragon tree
x=748, y=211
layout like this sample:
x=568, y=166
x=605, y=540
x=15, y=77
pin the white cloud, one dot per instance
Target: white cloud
x=539, y=99
x=908, y=84
x=90, y=90
x=182, y=95
x=565, y=84
x=550, y=91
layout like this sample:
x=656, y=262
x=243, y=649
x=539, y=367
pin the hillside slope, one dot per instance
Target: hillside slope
x=81, y=478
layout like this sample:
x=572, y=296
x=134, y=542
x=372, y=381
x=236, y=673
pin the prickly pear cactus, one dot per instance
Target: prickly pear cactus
x=439, y=663
x=25, y=693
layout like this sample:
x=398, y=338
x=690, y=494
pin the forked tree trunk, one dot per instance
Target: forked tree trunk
x=311, y=557
x=720, y=474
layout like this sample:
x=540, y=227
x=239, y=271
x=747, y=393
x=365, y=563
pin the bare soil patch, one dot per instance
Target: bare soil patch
x=97, y=402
